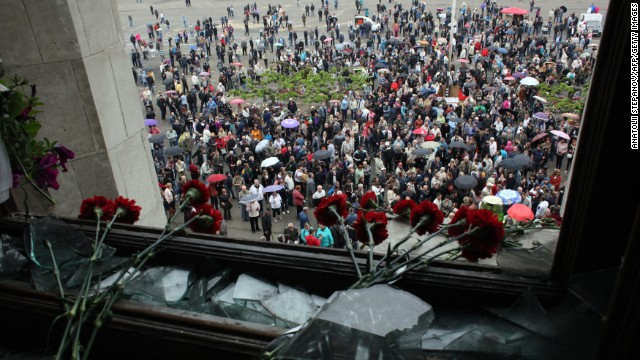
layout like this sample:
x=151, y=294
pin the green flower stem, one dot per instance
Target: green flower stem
x=116, y=288
x=371, y=243
x=347, y=241
x=396, y=246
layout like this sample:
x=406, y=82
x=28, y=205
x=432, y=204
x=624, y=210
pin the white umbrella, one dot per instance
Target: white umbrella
x=561, y=134
x=430, y=145
x=529, y=81
x=269, y=161
x=541, y=99
x=262, y=145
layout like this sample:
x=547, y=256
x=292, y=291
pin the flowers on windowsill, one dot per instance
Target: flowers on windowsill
x=476, y=233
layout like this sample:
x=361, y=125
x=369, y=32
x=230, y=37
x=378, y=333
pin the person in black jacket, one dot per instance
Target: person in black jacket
x=266, y=225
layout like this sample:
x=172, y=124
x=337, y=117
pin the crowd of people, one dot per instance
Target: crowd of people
x=428, y=89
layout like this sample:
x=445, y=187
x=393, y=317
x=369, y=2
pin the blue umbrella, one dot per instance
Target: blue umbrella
x=542, y=116
x=194, y=47
x=268, y=137
x=503, y=50
x=272, y=188
x=509, y=32
x=249, y=199
x=262, y=145
x=509, y=197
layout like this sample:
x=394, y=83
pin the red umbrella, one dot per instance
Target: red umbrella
x=420, y=131
x=334, y=101
x=328, y=39
x=237, y=63
x=236, y=101
x=514, y=11
x=538, y=137
x=520, y=212
x=216, y=178
x=463, y=61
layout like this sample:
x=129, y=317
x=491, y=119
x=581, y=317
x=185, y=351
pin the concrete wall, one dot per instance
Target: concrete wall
x=73, y=51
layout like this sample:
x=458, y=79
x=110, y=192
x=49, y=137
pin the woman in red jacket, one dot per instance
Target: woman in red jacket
x=298, y=199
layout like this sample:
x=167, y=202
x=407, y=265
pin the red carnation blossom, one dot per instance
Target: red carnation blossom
x=461, y=214
x=488, y=233
x=208, y=220
x=325, y=215
x=196, y=192
x=378, y=222
x=404, y=207
x=127, y=210
x=369, y=200
x=312, y=240
x=96, y=207
x=430, y=216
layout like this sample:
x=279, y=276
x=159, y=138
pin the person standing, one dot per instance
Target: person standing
x=303, y=216
x=276, y=203
x=253, y=209
x=291, y=234
x=225, y=204
x=298, y=200
x=169, y=200
x=243, y=208
x=324, y=234
x=266, y=225
x=130, y=21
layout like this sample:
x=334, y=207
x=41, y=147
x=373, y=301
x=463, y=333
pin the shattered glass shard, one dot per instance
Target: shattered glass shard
x=528, y=313
x=68, y=242
x=292, y=305
x=167, y=284
x=253, y=287
x=100, y=267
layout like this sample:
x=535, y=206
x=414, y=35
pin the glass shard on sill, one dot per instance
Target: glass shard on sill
x=362, y=323
x=530, y=262
x=100, y=267
x=318, y=300
x=195, y=296
x=438, y=339
x=253, y=287
x=225, y=297
x=528, y=313
x=106, y=283
x=67, y=242
x=293, y=306
x=595, y=288
x=216, y=282
x=44, y=280
x=475, y=345
x=11, y=260
x=164, y=284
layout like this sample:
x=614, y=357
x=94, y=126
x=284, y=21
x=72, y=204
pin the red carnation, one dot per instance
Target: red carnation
x=208, y=220
x=369, y=200
x=488, y=233
x=325, y=215
x=312, y=240
x=97, y=207
x=377, y=220
x=196, y=192
x=430, y=216
x=403, y=207
x=461, y=214
x=127, y=210
x=195, y=171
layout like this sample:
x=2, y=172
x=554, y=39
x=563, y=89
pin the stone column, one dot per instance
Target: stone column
x=73, y=50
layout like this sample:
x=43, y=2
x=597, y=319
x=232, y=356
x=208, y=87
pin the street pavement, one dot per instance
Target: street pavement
x=174, y=10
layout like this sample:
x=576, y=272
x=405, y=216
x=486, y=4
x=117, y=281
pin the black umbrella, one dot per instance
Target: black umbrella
x=173, y=151
x=148, y=68
x=321, y=154
x=470, y=84
x=414, y=71
x=380, y=65
x=492, y=48
x=157, y=138
x=563, y=8
x=465, y=182
x=518, y=162
x=505, y=111
x=458, y=145
x=168, y=81
x=457, y=120
x=420, y=152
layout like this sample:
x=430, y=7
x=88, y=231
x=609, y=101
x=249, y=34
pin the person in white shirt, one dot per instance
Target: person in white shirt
x=318, y=195
x=257, y=189
x=276, y=202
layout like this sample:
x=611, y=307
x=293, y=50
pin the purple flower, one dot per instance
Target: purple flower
x=45, y=174
x=64, y=154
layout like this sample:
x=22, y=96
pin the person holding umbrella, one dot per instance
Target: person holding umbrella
x=253, y=210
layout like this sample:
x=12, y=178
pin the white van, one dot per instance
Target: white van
x=361, y=20
x=591, y=22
